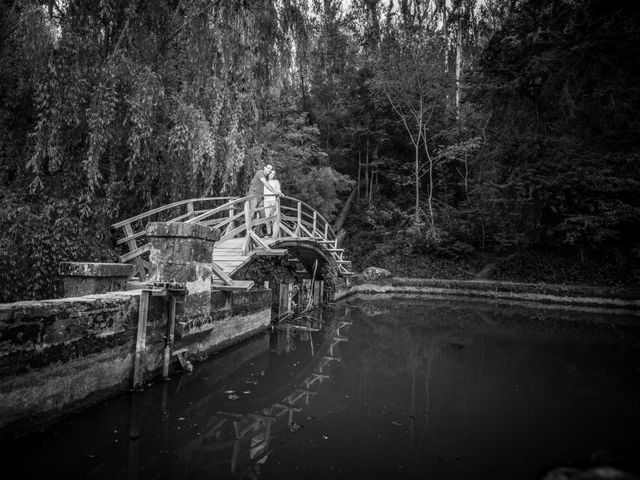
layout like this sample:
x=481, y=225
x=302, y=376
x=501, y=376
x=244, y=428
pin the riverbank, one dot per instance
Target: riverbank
x=614, y=299
x=565, y=266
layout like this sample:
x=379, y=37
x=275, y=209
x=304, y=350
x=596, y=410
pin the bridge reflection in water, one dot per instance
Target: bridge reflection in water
x=217, y=422
x=415, y=388
x=238, y=442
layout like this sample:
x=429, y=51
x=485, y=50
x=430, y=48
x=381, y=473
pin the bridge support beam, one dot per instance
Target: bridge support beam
x=181, y=253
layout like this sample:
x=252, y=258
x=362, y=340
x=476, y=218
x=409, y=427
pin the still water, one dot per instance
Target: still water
x=374, y=387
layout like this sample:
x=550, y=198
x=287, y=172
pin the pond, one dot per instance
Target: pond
x=375, y=387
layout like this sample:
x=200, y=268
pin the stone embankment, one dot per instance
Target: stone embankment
x=59, y=355
x=379, y=281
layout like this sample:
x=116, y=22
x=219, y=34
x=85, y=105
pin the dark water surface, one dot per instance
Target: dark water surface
x=388, y=388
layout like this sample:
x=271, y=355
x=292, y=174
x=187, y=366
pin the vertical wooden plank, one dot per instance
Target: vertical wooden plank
x=141, y=340
x=231, y=225
x=128, y=231
x=297, y=232
x=315, y=223
x=276, y=222
x=171, y=323
x=283, y=300
x=247, y=221
x=133, y=244
x=317, y=292
x=305, y=293
x=326, y=230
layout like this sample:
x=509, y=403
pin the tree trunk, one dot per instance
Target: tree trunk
x=337, y=225
x=458, y=65
x=359, y=169
x=366, y=171
x=445, y=33
x=373, y=175
x=432, y=223
x=417, y=172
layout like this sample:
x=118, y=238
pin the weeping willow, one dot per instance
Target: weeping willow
x=155, y=101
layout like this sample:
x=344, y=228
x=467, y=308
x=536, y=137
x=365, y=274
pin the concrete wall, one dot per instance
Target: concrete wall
x=60, y=355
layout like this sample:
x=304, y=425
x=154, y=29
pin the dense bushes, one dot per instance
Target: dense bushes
x=36, y=238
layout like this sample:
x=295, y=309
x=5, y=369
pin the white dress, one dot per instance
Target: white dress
x=269, y=198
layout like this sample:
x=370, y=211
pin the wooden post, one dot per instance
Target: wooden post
x=326, y=230
x=297, y=232
x=231, y=225
x=315, y=223
x=283, y=300
x=133, y=245
x=318, y=286
x=276, y=222
x=171, y=323
x=141, y=341
x=247, y=222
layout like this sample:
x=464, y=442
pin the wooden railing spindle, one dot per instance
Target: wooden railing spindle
x=247, y=222
x=276, y=223
x=315, y=220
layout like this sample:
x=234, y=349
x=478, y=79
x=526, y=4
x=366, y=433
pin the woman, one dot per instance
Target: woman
x=270, y=199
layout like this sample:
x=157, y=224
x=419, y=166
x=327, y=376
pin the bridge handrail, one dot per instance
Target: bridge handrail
x=179, y=203
x=219, y=209
x=329, y=230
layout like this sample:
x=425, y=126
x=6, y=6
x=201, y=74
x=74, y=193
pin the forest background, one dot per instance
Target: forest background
x=484, y=138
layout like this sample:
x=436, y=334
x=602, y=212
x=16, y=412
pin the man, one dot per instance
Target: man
x=259, y=185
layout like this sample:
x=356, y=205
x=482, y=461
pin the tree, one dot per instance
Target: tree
x=410, y=78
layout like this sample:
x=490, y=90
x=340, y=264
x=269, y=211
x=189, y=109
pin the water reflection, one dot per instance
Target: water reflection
x=218, y=421
x=409, y=389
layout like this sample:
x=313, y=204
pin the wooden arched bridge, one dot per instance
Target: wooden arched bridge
x=297, y=230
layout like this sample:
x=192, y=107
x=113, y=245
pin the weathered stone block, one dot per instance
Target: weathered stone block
x=176, y=272
x=88, y=278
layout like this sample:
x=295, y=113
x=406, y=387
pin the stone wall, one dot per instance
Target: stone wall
x=235, y=316
x=55, y=354
x=60, y=355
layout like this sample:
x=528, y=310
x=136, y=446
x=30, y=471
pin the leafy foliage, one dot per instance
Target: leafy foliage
x=116, y=107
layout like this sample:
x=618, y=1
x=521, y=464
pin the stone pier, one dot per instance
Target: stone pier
x=181, y=253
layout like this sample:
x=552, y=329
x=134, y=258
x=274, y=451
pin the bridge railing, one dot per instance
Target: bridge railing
x=291, y=218
x=132, y=230
x=299, y=219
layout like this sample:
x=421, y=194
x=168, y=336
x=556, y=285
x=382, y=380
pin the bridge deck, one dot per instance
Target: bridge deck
x=228, y=255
